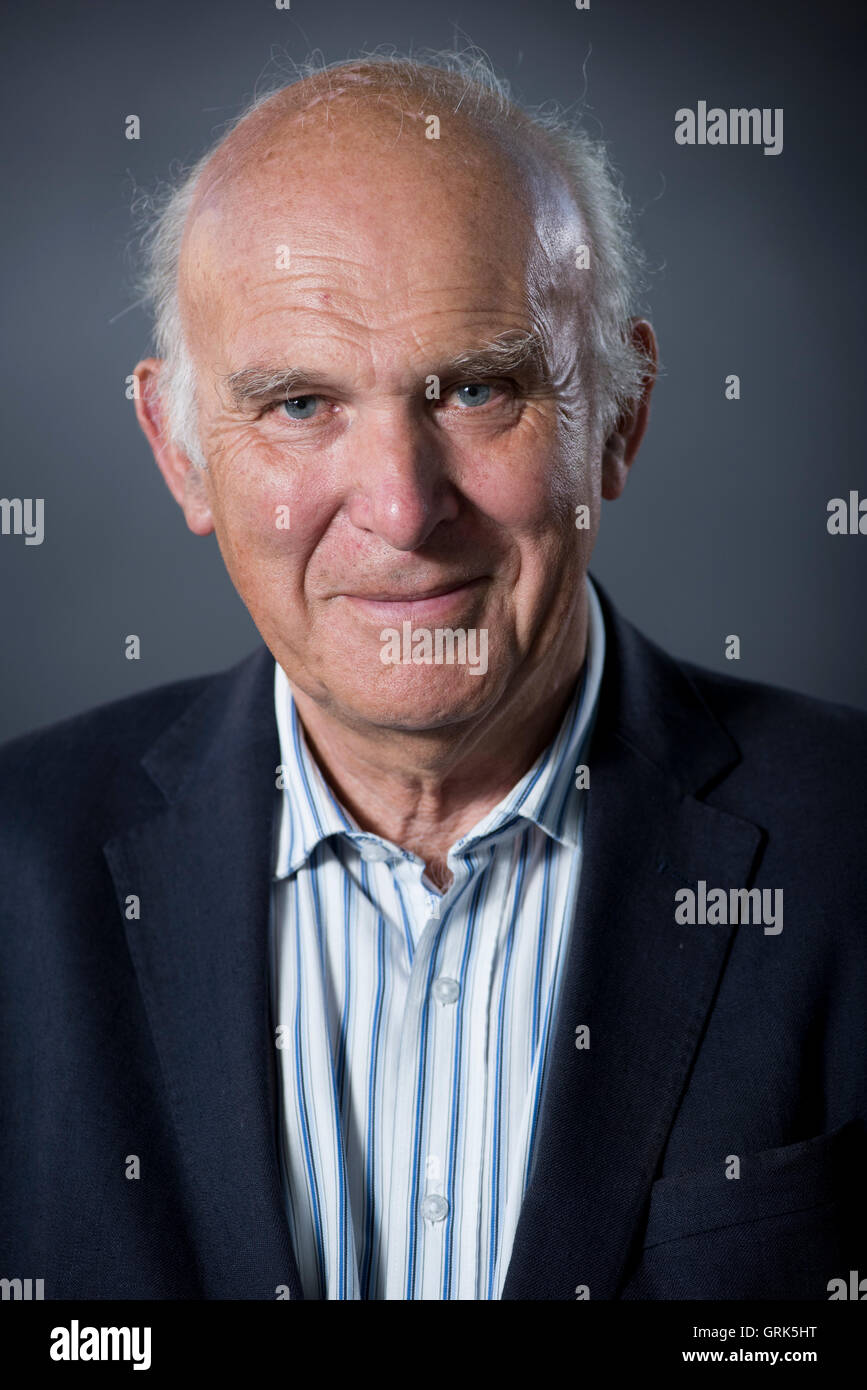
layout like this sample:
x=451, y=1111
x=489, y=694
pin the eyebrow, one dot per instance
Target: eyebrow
x=516, y=351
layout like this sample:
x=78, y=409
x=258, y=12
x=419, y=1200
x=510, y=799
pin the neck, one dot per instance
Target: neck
x=423, y=790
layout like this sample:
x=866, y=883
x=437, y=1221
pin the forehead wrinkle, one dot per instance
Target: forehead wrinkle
x=522, y=345
x=397, y=299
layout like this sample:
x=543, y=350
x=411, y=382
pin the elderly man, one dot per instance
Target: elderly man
x=458, y=944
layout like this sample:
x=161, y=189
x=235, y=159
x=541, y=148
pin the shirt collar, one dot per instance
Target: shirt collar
x=310, y=812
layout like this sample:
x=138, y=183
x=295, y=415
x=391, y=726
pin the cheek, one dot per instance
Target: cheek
x=531, y=480
x=269, y=511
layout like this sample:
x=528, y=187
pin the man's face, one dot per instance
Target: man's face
x=373, y=262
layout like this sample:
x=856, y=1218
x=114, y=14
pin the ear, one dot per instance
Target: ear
x=622, y=444
x=185, y=481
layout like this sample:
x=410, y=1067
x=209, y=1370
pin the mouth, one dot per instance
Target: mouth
x=391, y=605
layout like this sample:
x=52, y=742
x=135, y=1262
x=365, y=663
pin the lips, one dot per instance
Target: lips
x=414, y=595
x=425, y=602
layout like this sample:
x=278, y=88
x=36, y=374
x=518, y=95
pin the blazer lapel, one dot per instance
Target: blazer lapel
x=643, y=984
x=202, y=870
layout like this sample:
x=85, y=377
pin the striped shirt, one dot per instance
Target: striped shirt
x=412, y=1025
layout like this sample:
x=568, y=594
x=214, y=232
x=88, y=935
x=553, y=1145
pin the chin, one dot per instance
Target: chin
x=417, y=704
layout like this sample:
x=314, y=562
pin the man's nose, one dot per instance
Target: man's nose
x=401, y=489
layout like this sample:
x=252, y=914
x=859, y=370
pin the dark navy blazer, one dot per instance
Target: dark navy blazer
x=153, y=1037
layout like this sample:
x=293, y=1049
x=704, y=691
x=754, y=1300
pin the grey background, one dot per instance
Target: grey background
x=757, y=270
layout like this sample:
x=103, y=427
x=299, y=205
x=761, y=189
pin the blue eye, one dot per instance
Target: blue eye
x=478, y=393
x=305, y=405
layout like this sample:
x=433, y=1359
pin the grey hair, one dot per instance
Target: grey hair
x=468, y=79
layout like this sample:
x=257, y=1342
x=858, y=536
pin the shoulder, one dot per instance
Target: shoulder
x=120, y=728
x=782, y=723
x=86, y=769
x=802, y=761
x=764, y=740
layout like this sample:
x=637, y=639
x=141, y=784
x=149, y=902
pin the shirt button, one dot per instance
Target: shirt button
x=434, y=1207
x=446, y=991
